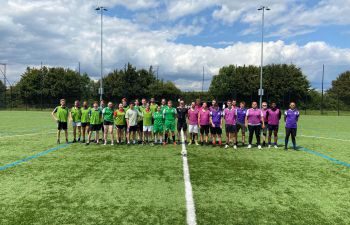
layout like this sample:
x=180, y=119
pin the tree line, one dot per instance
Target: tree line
x=282, y=83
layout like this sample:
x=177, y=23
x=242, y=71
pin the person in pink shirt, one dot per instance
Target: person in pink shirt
x=203, y=121
x=193, y=123
x=264, y=130
x=254, y=121
x=230, y=116
x=273, y=116
x=198, y=104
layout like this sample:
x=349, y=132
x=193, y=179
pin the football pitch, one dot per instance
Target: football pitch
x=45, y=183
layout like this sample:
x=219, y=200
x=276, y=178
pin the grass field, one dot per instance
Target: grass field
x=78, y=184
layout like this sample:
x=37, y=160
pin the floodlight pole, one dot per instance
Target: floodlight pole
x=261, y=91
x=101, y=9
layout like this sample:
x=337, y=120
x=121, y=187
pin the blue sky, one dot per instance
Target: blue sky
x=179, y=36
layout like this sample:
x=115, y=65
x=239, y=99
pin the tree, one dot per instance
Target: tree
x=282, y=83
x=2, y=94
x=48, y=85
x=341, y=88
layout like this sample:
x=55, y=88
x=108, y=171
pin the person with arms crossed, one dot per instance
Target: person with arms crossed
x=254, y=119
x=120, y=124
x=95, y=116
x=291, y=117
x=60, y=115
x=203, y=121
x=169, y=114
x=241, y=114
x=75, y=116
x=216, y=124
x=108, y=122
x=182, y=112
x=230, y=116
x=193, y=123
x=273, y=116
x=85, y=120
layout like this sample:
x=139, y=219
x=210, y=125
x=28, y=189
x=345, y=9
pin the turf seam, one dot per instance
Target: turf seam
x=191, y=211
x=33, y=157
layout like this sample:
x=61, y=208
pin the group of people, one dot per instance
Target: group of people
x=148, y=122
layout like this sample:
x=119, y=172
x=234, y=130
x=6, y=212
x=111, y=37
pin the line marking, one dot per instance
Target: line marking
x=33, y=157
x=21, y=135
x=319, y=137
x=191, y=211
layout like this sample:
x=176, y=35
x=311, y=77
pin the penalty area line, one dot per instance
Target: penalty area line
x=191, y=211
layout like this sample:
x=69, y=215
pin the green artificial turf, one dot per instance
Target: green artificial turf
x=105, y=185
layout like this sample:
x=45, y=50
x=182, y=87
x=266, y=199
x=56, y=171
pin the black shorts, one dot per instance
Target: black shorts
x=240, y=126
x=140, y=126
x=215, y=130
x=273, y=127
x=120, y=127
x=133, y=128
x=95, y=127
x=230, y=128
x=85, y=124
x=181, y=125
x=108, y=123
x=62, y=125
x=204, y=129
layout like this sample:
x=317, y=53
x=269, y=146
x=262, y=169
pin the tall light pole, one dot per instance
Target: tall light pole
x=261, y=90
x=101, y=9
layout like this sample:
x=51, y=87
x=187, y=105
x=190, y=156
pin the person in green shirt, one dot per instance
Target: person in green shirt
x=108, y=122
x=95, y=116
x=153, y=106
x=60, y=115
x=163, y=105
x=169, y=114
x=75, y=117
x=102, y=106
x=85, y=120
x=147, y=124
x=158, y=127
x=120, y=123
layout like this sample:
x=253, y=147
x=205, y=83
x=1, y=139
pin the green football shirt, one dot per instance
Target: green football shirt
x=76, y=114
x=62, y=113
x=95, y=116
x=147, y=118
x=158, y=119
x=119, y=118
x=85, y=115
x=169, y=114
x=108, y=114
x=153, y=107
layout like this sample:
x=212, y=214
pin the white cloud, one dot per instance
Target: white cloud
x=63, y=32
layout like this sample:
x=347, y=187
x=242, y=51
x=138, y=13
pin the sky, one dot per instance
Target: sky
x=179, y=37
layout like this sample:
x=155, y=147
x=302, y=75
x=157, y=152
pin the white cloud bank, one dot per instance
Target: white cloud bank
x=63, y=32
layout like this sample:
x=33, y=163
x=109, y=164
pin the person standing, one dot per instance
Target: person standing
x=216, y=124
x=147, y=125
x=241, y=114
x=131, y=117
x=273, y=116
x=230, y=116
x=153, y=106
x=108, y=122
x=193, y=123
x=254, y=121
x=291, y=117
x=85, y=120
x=95, y=115
x=60, y=115
x=120, y=123
x=169, y=114
x=75, y=116
x=182, y=112
x=158, y=127
x=204, y=120
x=264, y=130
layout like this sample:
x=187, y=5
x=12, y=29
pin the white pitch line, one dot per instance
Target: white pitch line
x=191, y=211
x=327, y=138
x=21, y=135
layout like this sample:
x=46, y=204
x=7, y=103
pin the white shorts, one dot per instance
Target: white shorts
x=76, y=124
x=193, y=129
x=147, y=128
